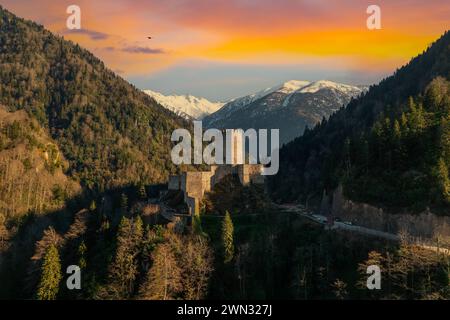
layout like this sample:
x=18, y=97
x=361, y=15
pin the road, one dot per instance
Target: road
x=299, y=209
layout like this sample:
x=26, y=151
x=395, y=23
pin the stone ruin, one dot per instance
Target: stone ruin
x=194, y=184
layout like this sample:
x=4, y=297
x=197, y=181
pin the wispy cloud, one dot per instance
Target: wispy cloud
x=94, y=35
x=245, y=32
x=142, y=50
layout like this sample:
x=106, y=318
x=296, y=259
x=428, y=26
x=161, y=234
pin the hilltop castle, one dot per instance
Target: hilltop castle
x=194, y=184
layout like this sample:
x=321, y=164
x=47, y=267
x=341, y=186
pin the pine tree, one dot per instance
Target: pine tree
x=416, y=120
x=445, y=138
x=397, y=132
x=82, y=255
x=138, y=233
x=51, y=275
x=93, y=206
x=443, y=180
x=347, y=156
x=124, y=203
x=142, y=192
x=365, y=155
x=124, y=269
x=404, y=123
x=227, y=238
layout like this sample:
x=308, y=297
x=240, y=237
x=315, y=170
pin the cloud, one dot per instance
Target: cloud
x=94, y=35
x=142, y=50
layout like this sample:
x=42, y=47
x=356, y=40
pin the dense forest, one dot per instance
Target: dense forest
x=246, y=252
x=389, y=147
x=111, y=133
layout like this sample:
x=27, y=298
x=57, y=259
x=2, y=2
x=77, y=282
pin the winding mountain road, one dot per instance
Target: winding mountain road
x=323, y=220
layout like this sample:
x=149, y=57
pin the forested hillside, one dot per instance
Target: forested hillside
x=390, y=147
x=33, y=186
x=32, y=168
x=67, y=122
x=111, y=133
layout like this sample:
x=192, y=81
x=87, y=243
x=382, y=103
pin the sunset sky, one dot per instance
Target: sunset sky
x=221, y=49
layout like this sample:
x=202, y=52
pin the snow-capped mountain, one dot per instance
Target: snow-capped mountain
x=187, y=106
x=289, y=107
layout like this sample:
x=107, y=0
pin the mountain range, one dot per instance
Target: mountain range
x=290, y=107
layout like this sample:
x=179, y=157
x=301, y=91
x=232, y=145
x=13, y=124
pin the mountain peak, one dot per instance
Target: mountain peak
x=293, y=85
x=187, y=106
x=326, y=84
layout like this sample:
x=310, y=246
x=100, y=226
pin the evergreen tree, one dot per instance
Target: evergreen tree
x=124, y=203
x=347, y=156
x=365, y=155
x=138, y=233
x=93, y=206
x=142, y=192
x=443, y=180
x=124, y=269
x=82, y=249
x=445, y=139
x=227, y=238
x=51, y=275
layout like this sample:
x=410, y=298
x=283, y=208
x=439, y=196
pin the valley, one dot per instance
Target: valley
x=87, y=179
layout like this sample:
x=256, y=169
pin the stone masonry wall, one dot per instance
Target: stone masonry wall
x=195, y=184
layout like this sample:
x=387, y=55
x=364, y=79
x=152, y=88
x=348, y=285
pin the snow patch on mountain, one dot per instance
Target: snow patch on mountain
x=324, y=84
x=186, y=106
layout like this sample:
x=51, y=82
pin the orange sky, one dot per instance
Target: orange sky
x=328, y=34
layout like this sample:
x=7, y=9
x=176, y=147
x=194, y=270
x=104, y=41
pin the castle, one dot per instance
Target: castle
x=194, y=184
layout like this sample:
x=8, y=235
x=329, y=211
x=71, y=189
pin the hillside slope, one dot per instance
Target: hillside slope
x=390, y=147
x=111, y=133
x=32, y=175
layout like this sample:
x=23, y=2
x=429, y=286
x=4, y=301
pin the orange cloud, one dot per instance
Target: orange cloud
x=244, y=31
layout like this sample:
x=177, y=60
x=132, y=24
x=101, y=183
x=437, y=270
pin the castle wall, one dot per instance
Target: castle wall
x=193, y=205
x=183, y=182
x=250, y=173
x=221, y=172
x=195, y=184
x=206, y=181
x=175, y=182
